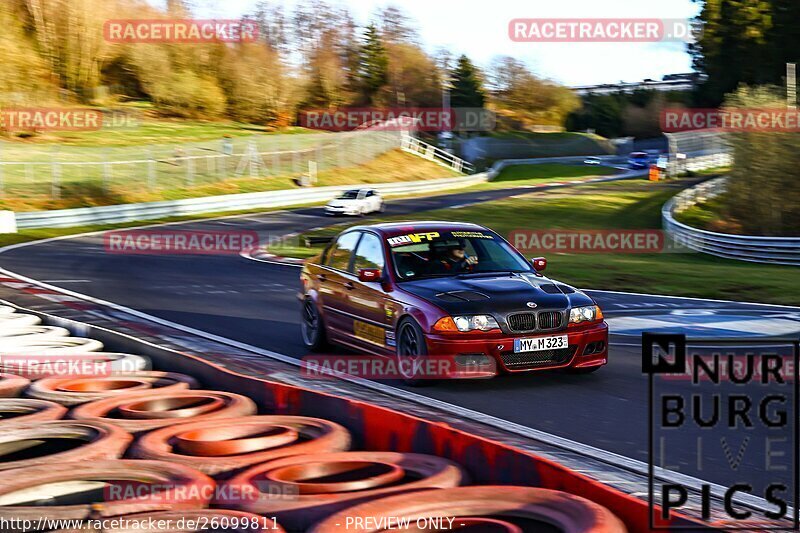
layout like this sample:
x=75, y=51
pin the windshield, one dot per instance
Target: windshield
x=452, y=253
x=349, y=195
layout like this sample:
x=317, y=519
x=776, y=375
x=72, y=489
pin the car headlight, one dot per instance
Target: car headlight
x=587, y=313
x=479, y=322
x=466, y=323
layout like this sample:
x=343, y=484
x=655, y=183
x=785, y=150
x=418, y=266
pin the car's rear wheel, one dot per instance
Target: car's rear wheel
x=411, y=349
x=312, y=327
x=381, y=207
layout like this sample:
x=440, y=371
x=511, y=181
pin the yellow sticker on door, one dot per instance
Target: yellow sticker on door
x=369, y=332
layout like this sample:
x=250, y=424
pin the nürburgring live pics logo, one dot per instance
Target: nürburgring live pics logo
x=729, y=416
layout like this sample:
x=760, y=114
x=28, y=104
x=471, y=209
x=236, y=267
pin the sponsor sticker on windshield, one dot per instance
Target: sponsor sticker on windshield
x=471, y=235
x=412, y=238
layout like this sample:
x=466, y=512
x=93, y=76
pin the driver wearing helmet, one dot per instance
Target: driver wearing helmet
x=450, y=256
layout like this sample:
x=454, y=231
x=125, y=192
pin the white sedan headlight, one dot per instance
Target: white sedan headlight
x=588, y=313
x=479, y=322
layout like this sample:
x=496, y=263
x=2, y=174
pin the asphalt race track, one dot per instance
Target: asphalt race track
x=255, y=303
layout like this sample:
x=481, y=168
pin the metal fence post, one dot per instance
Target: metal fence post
x=295, y=156
x=189, y=169
x=106, y=170
x=151, y=169
x=55, y=186
x=252, y=154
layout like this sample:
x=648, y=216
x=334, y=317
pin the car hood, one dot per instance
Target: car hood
x=496, y=294
x=344, y=200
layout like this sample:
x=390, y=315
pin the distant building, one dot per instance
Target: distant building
x=669, y=82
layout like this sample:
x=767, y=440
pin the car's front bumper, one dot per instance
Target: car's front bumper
x=500, y=348
x=341, y=210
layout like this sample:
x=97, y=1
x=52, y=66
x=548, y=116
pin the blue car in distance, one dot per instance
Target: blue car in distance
x=639, y=160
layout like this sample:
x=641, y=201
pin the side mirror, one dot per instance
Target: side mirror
x=369, y=274
x=539, y=263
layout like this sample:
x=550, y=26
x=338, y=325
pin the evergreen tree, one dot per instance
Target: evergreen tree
x=373, y=64
x=467, y=89
x=738, y=44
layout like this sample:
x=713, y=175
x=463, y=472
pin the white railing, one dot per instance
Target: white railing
x=413, y=145
x=776, y=250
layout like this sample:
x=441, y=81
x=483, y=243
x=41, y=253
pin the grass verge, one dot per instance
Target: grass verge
x=551, y=171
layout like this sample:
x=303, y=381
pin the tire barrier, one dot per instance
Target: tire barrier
x=145, y=411
x=221, y=446
x=12, y=385
x=515, y=508
x=18, y=320
x=30, y=444
x=206, y=520
x=24, y=410
x=71, y=390
x=302, y=490
x=101, y=488
x=10, y=337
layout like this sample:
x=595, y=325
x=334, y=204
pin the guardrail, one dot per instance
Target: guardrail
x=775, y=250
x=112, y=214
x=413, y=145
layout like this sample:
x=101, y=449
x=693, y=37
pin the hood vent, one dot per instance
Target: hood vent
x=552, y=288
x=462, y=296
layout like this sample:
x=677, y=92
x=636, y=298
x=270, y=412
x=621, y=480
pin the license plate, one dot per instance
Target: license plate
x=538, y=344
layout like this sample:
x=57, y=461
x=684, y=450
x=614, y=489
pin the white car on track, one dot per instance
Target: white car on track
x=355, y=202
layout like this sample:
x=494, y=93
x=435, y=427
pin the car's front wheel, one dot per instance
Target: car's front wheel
x=411, y=350
x=312, y=327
